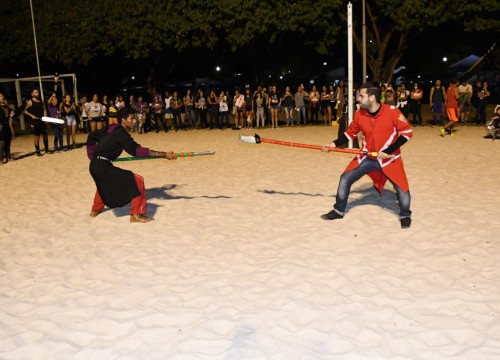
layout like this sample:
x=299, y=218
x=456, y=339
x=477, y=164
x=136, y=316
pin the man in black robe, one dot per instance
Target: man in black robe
x=117, y=187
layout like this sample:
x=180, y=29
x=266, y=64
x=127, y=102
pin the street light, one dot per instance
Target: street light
x=445, y=59
x=217, y=68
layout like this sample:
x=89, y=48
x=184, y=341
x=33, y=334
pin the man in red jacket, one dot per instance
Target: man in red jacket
x=385, y=130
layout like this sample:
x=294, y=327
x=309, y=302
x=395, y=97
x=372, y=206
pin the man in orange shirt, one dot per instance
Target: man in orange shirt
x=452, y=96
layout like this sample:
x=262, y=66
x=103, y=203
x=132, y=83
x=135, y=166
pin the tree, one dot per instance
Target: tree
x=77, y=32
x=273, y=31
x=392, y=25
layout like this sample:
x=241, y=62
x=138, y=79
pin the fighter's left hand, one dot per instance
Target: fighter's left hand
x=383, y=156
x=171, y=155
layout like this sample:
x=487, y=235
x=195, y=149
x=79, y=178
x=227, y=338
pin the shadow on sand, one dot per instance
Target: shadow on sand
x=368, y=195
x=161, y=193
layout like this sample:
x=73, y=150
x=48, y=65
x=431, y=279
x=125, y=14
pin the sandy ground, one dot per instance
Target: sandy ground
x=239, y=265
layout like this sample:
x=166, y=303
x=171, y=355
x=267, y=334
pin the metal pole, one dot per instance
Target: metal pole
x=364, y=43
x=36, y=52
x=349, y=68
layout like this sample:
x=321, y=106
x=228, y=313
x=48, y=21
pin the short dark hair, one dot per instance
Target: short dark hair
x=124, y=113
x=372, y=88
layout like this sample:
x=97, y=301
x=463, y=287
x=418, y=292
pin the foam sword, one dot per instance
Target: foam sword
x=256, y=139
x=179, y=155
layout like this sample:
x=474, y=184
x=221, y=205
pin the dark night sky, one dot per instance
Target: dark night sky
x=423, y=57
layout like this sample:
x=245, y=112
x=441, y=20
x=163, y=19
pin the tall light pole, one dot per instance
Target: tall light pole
x=36, y=51
x=363, y=32
x=350, y=69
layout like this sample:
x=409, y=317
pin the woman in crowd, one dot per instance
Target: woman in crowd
x=6, y=130
x=175, y=105
x=213, y=109
x=223, y=110
x=274, y=104
x=287, y=101
x=57, y=129
x=95, y=112
x=112, y=113
x=158, y=116
x=326, y=108
x=248, y=116
x=189, y=108
x=68, y=111
x=201, y=107
x=314, y=102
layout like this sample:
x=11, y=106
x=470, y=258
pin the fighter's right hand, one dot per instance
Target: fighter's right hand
x=170, y=155
x=326, y=147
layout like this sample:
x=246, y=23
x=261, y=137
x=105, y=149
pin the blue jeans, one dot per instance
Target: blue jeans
x=301, y=112
x=347, y=179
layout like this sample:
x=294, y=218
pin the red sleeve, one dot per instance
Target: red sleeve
x=353, y=129
x=402, y=125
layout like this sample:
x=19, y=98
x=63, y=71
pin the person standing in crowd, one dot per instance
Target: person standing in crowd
x=117, y=187
x=326, y=108
x=464, y=101
x=402, y=103
x=112, y=113
x=57, y=129
x=188, y=100
x=131, y=101
x=141, y=108
x=300, y=105
x=168, y=109
x=175, y=105
x=378, y=123
x=482, y=103
x=274, y=103
x=238, y=106
x=260, y=109
x=390, y=97
x=223, y=110
x=287, y=102
x=436, y=101
x=213, y=108
x=201, y=107
x=35, y=109
x=119, y=102
x=95, y=112
x=249, y=109
x=341, y=100
x=416, y=95
x=6, y=130
x=314, y=98
x=333, y=103
x=158, y=116
x=68, y=111
x=452, y=96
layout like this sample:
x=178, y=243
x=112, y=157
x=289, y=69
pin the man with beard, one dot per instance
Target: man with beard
x=35, y=110
x=384, y=130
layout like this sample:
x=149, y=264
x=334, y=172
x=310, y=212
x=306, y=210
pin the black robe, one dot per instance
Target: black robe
x=115, y=186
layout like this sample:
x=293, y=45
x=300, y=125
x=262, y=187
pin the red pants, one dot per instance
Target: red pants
x=138, y=204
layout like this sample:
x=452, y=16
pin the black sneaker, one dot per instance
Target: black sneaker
x=405, y=222
x=38, y=153
x=332, y=215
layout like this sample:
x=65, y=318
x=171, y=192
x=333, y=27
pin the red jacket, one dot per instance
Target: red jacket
x=378, y=132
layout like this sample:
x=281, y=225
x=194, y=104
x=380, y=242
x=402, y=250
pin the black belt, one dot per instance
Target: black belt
x=103, y=158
